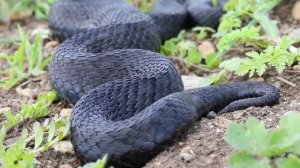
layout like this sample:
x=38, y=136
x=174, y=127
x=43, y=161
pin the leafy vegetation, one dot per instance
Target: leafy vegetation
x=246, y=22
x=187, y=49
x=99, y=164
x=265, y=148
x=260, y=32
x=256, y=63
x=15, y=9
x=27, y=61
x=19, y=154
x=30, y=111
x=144, y=5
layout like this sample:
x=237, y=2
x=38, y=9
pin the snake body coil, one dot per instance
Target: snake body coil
x=129, y=100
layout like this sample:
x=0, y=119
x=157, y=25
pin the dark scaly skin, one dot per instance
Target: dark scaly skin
x=131, y=137
x=129, y=99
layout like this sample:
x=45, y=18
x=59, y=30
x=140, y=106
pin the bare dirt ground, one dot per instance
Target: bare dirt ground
x=202, y=146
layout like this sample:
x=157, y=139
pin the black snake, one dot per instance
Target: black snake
x=129, y=100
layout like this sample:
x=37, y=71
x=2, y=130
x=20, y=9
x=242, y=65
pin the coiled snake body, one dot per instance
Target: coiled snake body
x=129, y=100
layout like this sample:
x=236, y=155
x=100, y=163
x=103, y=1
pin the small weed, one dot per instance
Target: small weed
x=19, y=155
x=265, y=148
x=99, y=164
x=26, y=61
x=144, y=5
x=277, y=56
x=187, y=49
x=245, y=22
x=15, y=9
x=29, y=111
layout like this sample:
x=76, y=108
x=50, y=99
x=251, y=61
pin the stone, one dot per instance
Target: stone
x=64, y=147
x=186, y=157
x=65, y=166
x=190, y=82
x=66, y=112
x=296, y=11
x=4, y=109
x=206, y=47
x=24, y=92
x=259, y=79
x=296, y=67
x=222, y=122
x=211, y=115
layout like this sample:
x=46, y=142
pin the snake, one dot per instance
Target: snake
x=129, y=100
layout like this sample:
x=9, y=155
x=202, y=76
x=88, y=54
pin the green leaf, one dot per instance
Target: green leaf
x=26, y=54
x=184, y=47
x=291, y=161
x=289, y=122
x=251, y=137
x=38, y=135
x=212, y=60
x=244, y=160
x=194, y=56
x=51, y=131
x=169, y=48
x=205, y=82
x=99, y=164
x=66, y=129
x=215, y=3
x=203, y=32
x=231, y=65
x=268, y=25
x=229, y=39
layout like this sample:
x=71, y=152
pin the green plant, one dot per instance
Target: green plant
x=232, y=28
x=144, y=5
x=19, y=155
x=55, y=131
x=29, y=111
x=247, y=22
x=18, y=8
x=16, y=155
x=27, y=60
x=277, y=56
x=187, y=49
x=99, y=164
x=265, y=148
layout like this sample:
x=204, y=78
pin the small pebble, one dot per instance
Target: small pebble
x=190, y=82
x=211, y=115
x=5, y=109
x=45, y=33
x=64, y=147
x=296, y=67
x=65, y=166
x=186, y=157
x=222, y=122
x=66, y=112
x=296, y=11
x=259, y=79
x=51, y=44
x=187, y=149
x=24, y=92
x=206, y=47
x=237, y=116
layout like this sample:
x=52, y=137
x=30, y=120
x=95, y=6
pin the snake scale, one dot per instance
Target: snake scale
x=129, y=99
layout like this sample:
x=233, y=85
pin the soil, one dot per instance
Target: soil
x=204, y=142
